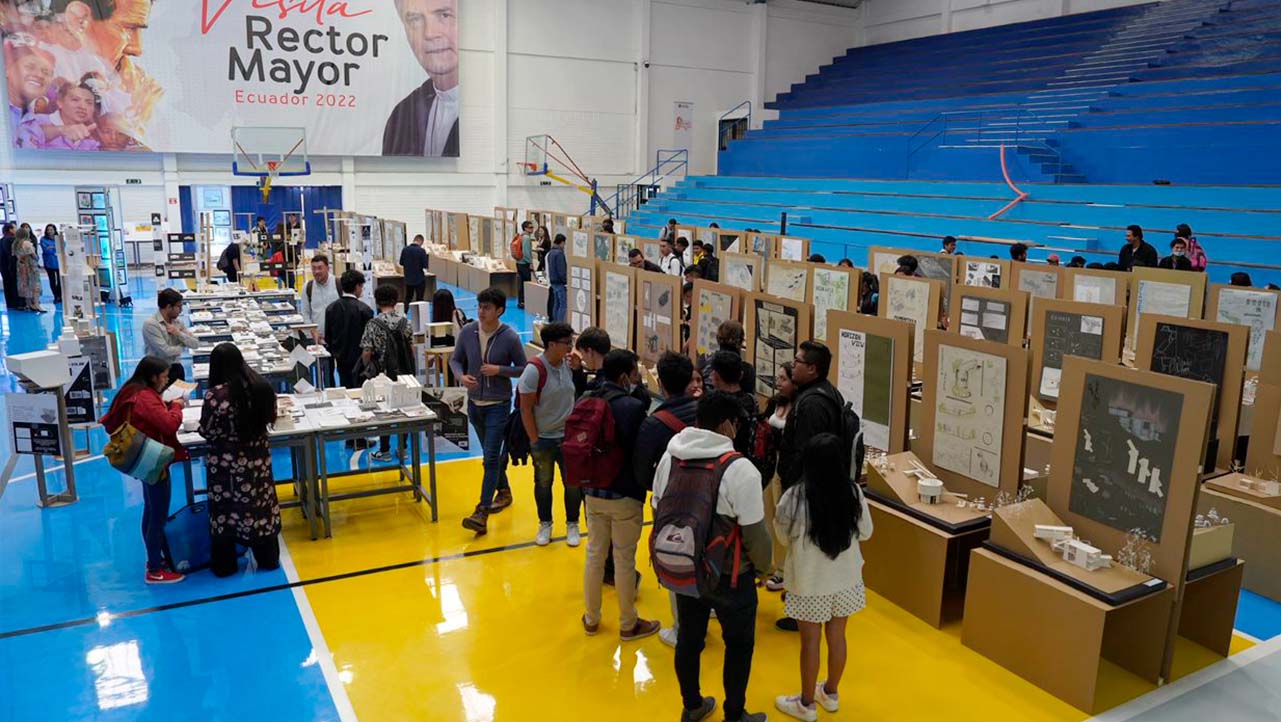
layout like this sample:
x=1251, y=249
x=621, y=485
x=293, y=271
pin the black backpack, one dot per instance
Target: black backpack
x=851, y=433
x=398, y=357
x=224, y=259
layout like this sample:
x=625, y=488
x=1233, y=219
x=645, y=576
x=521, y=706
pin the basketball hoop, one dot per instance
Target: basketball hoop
x=264, y=185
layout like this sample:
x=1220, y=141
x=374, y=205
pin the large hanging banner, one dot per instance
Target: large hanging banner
x=364, y=77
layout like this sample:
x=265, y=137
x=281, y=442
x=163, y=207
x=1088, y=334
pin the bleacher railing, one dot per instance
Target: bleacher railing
x=627, y=196
x=726, y=133
x=1012, y=126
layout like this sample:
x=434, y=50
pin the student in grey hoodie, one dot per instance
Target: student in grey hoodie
x=487, y=356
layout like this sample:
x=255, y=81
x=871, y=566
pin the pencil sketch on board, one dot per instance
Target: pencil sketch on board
x=969, y=418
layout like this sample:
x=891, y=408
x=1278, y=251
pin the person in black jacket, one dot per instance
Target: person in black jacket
x=9, y=269
x=616, y=515
x=345, y=321
x=817, y=409
x=425, y=123
x=1178, y=258
x=730, y=336
x=413, y=259
x=1136, y=251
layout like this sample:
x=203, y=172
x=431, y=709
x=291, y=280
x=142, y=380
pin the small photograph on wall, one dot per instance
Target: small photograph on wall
x=1124, y=454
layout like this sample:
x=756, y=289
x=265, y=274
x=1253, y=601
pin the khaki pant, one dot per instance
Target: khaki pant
x=774, y=493
x=619, y=521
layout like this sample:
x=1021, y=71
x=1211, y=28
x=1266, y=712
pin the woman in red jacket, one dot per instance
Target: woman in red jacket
x=139, y=403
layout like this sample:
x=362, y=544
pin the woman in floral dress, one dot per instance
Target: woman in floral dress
x=24, y=251
x=243, y=509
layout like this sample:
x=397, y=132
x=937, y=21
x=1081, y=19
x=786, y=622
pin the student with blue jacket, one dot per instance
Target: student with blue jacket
x=488, y=355
x=49, y=259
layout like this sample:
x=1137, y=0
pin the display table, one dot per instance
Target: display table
x=1258, y=527
x=1210, y=596
x=444, y=268
x=1057, y=637
x=537, y=298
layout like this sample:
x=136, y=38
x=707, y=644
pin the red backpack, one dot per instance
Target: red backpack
x=593, y=459
x=691, y=546
x=518, y=247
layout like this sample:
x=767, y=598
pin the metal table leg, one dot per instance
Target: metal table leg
x=431, y=468
x=324, y=486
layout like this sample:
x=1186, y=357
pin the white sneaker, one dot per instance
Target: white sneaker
x=668, y=636
x=544, y=534
x=829, y=702
x=792, y=705
x=572, y=535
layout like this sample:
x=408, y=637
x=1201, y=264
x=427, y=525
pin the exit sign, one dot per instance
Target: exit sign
x=133, y=181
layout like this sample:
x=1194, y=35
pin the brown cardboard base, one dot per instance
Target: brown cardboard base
x=916, y=565
x=1056, y=637
x=1210, y=608
x=895, y=484
x=1258, y=527
x=1230, y=485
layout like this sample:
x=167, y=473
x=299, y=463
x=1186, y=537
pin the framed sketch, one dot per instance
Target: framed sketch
x=580, y=246
x=915, y=300
x=872, y=368
x=575, y=222
x=706, y=235
x=476, y=240
x=775, y=329
x=990, y=314
x=1090, y=285
x=1068, y=328
x=658, y=315
x=560, y=226
x=498, y=238
x=761, y=244
x=603, y=246
x=622, y=246
x=1200, y=351
x=789, y=279
x=1126, y=456
x=712, y=305
x=973, y=405
x=85, y=200
x=651, y=251
x=581, y=294
x=1038, y=281
x=1254, y=308
x=742, y=270
x=833, y=289
x=1169, y=293
x=689, y=233
x=987, y=272
x=791, y=248
x=728, y=242
x=617, y=303
x=934, y=266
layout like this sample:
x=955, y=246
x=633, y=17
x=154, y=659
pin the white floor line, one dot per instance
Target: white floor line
x=338, y=692
x=1248, y=637
x=1171, y=691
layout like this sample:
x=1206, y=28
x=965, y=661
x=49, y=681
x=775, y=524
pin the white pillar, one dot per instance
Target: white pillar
x=502, y=161
x=172, y=210
x=644, y=153
x=760, y=34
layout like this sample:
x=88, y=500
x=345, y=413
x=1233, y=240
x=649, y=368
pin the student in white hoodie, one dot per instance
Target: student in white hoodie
x=821, y=520
x=739, y=501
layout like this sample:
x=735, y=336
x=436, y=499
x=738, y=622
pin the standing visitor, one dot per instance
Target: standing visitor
x=558, y=278
x=49, y=258
x=736, y=509
x=28, y=265
x=239, y=408
x=726, y=370
x=668, y=261
x=730, y=337
x=1018, y=253
x=616, y=513
x=545, y=393
x=488, y=355
x=319, y=293
x=139, y=404
x=683, y=252
x=949, y=246
x=669, y=231
x=9, y=268
x=229, y=261
x=1136, y=251
x=345, y=321
x=636, y=259
x=1177, y=260
x=413, y=260
x=523, y=253
x=775, y=417
x=164, y=336
x=1196, y=252
x=542, y=246
x=821, y=521
x=444, y=310
x=387, y=347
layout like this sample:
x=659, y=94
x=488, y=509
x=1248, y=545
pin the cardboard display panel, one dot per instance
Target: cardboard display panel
x=579, y=246
x=617, y=302
x=915, y=300
x=1169, y=293
x=459, y=232
x=872, y=368
x=713, y=304
x=1258, y=526
x=1090, y=285
x=1063, y=328
x=1255, y=308
x=744, y=271
x=651, y=251
x=658, y=315
x=776, y=327
x=1202, y=351
x=728, y=241
x=973, y=407
x=935, y=266
x=760, y=244
x=623, y=245
x=791, y=248
x=1261, y=459
x=833, y=289
x=706, y=235
x=789, y=279
x=1127, y=452
x=581, y=293
x=987, y=272
x=989, y=314
x=1270, y=367
x=603, y=246
x=1039, y=281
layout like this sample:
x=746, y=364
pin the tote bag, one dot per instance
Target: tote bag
x=134, y=453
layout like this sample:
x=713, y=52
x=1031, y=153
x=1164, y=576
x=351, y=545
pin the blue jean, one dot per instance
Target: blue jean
x=560, y=302
x=546, y=456
x=490, y=423
x=155, y=511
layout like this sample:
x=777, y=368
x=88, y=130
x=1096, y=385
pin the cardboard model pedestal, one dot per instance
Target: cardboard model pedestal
x=918, y=558
x=1257, y=523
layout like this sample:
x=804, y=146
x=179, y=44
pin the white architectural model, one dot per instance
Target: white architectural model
x=1081, y=554
x=930, y=491
x=1051, y=533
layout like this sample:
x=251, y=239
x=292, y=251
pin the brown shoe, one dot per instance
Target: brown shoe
x=591, y=629
x=502, y=500
x=478, y=521
x=642, y=629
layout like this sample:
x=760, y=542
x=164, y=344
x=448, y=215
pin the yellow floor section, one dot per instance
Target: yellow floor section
x=496, y=636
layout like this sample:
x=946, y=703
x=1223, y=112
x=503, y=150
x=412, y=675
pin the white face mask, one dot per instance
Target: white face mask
x=1177, y=254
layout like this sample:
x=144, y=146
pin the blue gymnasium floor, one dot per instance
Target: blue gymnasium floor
x=81, y=638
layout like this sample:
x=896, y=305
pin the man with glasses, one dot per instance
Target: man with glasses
x=817, y=410
x=546, y=393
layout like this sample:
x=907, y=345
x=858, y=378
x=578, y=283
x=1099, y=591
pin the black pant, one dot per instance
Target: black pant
x=222, y=555
x=55, y=284
x=12, y=299
x=526, y=273
x=736, y=611
x=415, y=293
x=155, y=511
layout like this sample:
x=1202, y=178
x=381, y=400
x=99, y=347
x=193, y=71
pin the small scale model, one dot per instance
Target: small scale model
x=930, y=491
x=1052, y=533
x=1081, y=554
